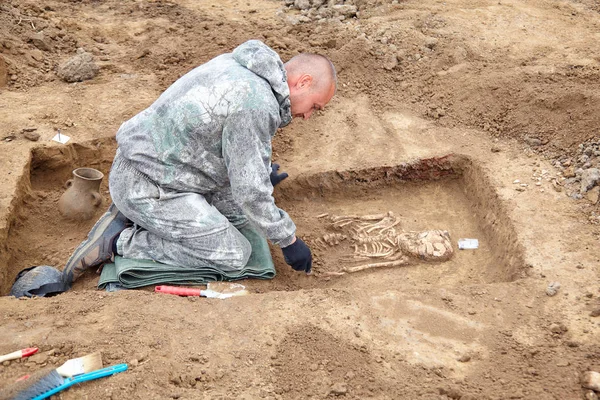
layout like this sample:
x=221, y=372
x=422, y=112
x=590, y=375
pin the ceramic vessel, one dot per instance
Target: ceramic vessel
x=82, y=198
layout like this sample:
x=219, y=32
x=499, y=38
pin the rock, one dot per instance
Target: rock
x=464, y=358
x=339, y=389
x=39, y=40
x=79, y=68
x=39, y=358
x=345, y=10
x=33, y=136
x=496, y=149
x=559, y=329
x=3, y=72
x=317, y=3
x=450, y=392
x=569, y=172
x=552, y=289
x=593, y=195
x=591, y=380
x=390, y=62
x=595, y=313
x=431, y=42
x=302, y=4
x=591, y=395
x=532, y=141
x=589, y=179
x=37, y=55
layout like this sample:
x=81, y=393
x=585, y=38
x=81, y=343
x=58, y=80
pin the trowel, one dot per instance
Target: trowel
x=214, y=290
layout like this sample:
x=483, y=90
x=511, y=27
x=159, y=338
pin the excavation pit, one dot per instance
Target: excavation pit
x=448, y=193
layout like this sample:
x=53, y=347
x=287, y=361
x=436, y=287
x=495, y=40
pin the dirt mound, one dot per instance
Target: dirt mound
x=32, y=41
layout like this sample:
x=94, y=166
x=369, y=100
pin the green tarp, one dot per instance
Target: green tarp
x=132, y=273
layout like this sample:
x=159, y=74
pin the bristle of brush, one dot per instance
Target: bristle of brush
x=38, y=383
x=81, y=365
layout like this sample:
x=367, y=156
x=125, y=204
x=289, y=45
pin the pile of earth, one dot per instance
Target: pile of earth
x=31, y=44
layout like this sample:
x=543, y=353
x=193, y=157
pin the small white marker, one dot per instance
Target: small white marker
x=60, y=138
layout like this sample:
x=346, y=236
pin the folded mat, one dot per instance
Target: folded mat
x=132, y=273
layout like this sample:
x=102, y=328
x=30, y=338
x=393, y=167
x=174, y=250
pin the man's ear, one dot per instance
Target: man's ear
x=305, y=82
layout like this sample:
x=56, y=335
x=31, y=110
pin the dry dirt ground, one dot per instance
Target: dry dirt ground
x=441, y=106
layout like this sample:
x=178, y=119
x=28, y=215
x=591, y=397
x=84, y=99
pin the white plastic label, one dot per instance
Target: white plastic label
x=468, y=244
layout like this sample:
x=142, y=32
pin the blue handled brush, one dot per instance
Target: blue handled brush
x=53, y=382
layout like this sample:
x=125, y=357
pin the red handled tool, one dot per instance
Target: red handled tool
x=179, y=291
x=19, y=354
x=215, y=290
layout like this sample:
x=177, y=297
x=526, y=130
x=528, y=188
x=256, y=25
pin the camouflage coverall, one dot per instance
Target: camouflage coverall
x=194, y=166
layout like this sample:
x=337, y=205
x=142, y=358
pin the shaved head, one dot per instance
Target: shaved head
x=312, y=81
x=316, y=65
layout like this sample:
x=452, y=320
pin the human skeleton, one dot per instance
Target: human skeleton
x=378, y=238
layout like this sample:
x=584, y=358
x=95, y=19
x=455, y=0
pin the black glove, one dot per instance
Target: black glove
x=297, y=255
x=275, y=177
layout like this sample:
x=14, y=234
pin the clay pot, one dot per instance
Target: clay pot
x=81, y=199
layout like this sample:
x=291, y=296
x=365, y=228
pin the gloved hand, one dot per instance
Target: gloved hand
x=298, y=256
x=275, y=177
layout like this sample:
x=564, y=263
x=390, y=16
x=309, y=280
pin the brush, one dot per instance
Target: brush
x=19, y=354
x=40, y=386
x=76, y=366
x=81, y=365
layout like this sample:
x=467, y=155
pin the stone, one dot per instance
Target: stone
x=464, y=358
x=345, y=10
x=450, y=392
x=590, y=395
x=37, y=55
x=302, y=4
x=3, y=72
x=78, y=68
x=496, y=149
x=589, y=179
x=559, y=329
x=534, y=142
x=39, y=40
x=33, y=136
x=339, y=389
x=593, y=195
x=431, y=42
x=552, y=289
x=595, y=313
x=591, y=380
x=39, y=358
x=569, y=172
x=390, y=62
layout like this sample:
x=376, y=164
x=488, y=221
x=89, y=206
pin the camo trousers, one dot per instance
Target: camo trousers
x=175, y=228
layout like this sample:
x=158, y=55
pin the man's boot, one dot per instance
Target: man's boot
x=99, y=246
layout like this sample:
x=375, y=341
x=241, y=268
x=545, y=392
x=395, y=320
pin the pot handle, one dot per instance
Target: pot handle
x=97, y=198
x=69, y=183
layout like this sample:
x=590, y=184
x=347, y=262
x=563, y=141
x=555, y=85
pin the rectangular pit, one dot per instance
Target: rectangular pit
x=446, y=193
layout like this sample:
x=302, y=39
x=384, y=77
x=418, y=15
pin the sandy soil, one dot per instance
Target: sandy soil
x=441, y=106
